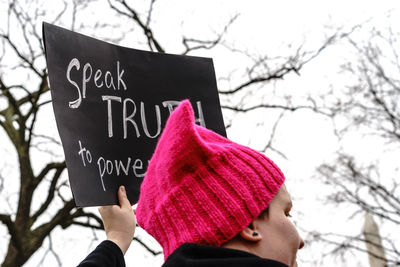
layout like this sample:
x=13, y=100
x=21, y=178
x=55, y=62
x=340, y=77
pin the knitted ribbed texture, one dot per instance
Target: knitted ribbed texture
x=201, y=187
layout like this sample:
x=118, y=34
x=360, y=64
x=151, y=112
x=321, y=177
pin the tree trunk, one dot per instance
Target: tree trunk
x=13, y=257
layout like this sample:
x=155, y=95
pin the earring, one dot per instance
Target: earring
x=255, y=234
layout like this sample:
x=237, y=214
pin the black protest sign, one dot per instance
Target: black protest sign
x=111, y=103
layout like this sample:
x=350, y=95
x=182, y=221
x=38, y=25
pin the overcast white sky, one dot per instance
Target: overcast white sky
x=263, y=27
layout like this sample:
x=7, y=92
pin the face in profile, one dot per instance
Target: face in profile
x=272, y=235
x=278, y=237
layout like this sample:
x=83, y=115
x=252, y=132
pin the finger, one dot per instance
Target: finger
x=102, y=209
x=122, y=197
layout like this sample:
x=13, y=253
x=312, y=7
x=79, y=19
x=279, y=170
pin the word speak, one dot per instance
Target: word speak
x=99, y=79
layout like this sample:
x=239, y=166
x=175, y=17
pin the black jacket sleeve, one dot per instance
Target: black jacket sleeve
x=107, y=254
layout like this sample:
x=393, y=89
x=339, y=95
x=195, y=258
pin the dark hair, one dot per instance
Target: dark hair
x=263, y=213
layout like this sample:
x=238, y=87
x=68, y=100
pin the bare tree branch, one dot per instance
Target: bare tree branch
x=50, y=194
x=131, y=13
x=155, y=253
x=206, y=44
x=47, y=168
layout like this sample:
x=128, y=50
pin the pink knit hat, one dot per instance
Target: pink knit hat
x=202, y=188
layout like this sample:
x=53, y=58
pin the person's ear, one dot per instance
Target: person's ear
x=250, y=233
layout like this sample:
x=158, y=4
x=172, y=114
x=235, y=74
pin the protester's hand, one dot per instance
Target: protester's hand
x=119, y=221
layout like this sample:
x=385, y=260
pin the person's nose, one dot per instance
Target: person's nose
x=301, y=245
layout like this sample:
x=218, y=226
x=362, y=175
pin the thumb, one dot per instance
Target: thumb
x=122, y=197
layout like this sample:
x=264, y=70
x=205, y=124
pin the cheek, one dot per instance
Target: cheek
x=289, y=234
x=293, y=236
x=284, y=240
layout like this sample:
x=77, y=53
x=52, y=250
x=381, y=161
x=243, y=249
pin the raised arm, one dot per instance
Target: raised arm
x=119, y=224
